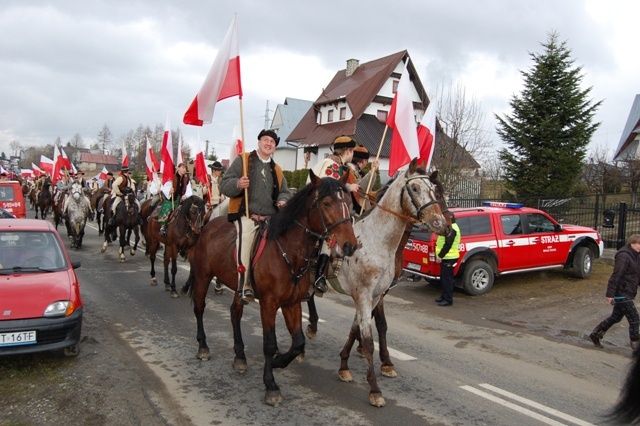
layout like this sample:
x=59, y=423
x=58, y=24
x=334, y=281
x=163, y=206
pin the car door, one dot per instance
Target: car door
x=513, y=242
x=547, y=246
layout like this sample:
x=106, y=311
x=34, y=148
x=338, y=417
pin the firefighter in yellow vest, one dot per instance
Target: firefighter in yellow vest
x=268, y=191
x=447, y=255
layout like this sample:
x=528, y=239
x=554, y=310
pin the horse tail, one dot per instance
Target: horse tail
x=627, y=410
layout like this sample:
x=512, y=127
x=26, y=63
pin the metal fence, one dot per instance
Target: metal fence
x=620, y=222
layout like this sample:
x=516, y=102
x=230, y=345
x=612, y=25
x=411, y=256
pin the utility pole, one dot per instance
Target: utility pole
x=266, y=116
x=206, y=149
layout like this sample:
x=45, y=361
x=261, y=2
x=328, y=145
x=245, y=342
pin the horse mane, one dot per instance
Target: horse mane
x=186, y=204
x=286, y=217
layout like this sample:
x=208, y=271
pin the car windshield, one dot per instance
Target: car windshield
x=30, y=252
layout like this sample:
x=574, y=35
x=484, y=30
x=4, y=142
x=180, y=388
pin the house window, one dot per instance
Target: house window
x=343, y=113
x=382, y=115
x=330, y=116
x=395, y=86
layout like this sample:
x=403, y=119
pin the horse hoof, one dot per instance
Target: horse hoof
x=345, y=376
x=311, y=335
x=167, y=287
x=240, y=365
x=184, y=289
x=377, y=400
x=389, y=371
x=273, y=398
x=103, y=249
x=122, y=259
x=154, y=281
x=203, y=354
x=174, y=294
x=300, y=358
x=133, y=252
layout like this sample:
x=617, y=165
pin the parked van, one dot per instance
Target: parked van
x=12, y=199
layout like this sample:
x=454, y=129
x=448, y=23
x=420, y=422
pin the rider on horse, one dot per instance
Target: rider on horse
x=175, y=191
x=335, y=166
x=123, y=181
x=80, y=179
x=358, y=163
x=268, y=191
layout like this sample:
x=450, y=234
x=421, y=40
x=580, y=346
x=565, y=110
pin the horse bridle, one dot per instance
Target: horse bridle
x=198, y=224
x=419, y=208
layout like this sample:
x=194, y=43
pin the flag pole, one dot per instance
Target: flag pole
x=244, y=161
x=366, y=194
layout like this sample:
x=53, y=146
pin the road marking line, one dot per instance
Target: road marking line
x=536, y=405
x=522, y=410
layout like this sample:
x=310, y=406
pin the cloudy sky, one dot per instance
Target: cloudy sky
x=69, y=67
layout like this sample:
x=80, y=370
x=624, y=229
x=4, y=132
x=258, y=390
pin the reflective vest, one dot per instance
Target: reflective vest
x=453, y=252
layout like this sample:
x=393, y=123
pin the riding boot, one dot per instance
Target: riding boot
x=320, y=285
x=635, y=346
x=244, y=290
x=597, y=334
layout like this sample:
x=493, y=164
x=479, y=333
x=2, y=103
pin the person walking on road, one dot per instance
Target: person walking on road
x=621, y=291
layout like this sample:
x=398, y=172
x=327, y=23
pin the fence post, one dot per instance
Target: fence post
x=622, y=226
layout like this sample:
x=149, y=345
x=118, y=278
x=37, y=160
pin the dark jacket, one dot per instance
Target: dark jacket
x=626, y=274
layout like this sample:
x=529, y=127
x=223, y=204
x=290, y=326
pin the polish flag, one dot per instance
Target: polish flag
x=58, y=162
x=427, y=135
x=27, y=173
x=36, y=170
x=150, y=161
x=103, y=173
x=236, y=146
x=222, y=82
x=201, y=169
x=74, y=170
x=46, y=164
x=166, y=155
x=401, y=119
x=180, y=155
x=125, y=156
x=65, y=160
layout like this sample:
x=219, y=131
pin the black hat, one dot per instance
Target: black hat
x=215, y=165
x=271, y=133
x=344, y=142
x=109, y=174
x=124, y=169
x=360, y=153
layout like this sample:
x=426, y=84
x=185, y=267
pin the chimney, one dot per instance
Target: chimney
x=352, y=65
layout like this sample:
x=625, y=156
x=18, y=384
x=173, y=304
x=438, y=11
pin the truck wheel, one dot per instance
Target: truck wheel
x=477, y=278
x=582, y=262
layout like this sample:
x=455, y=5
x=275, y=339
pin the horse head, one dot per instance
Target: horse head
x=332, y=203
x=419, y=199
x=193, y=210
x=76, y=190
x=441, y=197
x=129, y=201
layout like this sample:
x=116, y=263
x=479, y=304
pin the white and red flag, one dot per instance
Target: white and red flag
x=236, y=146
x=37, y=171
x=427, y=135
x=167, y=165
x=180, y=154
x=27, y=173
x=404, y=142
x=58, y=163
x=65, y=160
x=46, y=164
x=222, y=82
x=125, y=156
x=151, y=164
x=103, y=173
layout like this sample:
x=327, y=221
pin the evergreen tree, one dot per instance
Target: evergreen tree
x=550, y=128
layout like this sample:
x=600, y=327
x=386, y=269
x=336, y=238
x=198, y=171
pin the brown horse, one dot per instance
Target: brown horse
x=318, y=212
x=126, y=219
x=45, y=199
x=97, y=206
x=627, y=410
x=183, y=231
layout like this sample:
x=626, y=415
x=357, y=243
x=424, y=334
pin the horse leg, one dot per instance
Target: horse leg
x=123, y=234
x=293, y=319
x=237, y=308
x=387, y=368
x=189, y=284
x=312, y=327
x=375, y=395
x=174, y=271
x=167, y=258
x=272, y=394
x=198, y=297
x=344, y=373
x=135, y=242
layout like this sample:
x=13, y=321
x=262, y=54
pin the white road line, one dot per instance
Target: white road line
x=522, y=410
x=535, y=405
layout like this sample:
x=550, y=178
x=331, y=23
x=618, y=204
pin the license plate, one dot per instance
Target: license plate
x=18, y=338
x=414, y=266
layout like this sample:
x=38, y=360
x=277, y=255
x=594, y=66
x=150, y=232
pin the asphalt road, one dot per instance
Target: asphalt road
x=453, y=368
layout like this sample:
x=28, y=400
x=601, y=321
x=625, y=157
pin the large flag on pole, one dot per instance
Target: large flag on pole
x=57, y=165
x=36, y=170
x=180, y=154
x=166, y=154
x=150, y=161
x=46, y=164
x=404, y=142
x=125, y=156
x=222, y=82
x=201, y=169
x=427, y=135
x=103, y=173
x=65, y=160
x=236, y=146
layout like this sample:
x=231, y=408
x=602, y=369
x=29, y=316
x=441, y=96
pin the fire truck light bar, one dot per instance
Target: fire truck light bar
x=507, y=205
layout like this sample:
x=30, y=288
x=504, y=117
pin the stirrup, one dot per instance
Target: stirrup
x=321, y=286
x=246, y=295
x=163, y=231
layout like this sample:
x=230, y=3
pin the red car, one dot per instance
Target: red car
x=505, y=238
x=40, y=302
x=11, y=198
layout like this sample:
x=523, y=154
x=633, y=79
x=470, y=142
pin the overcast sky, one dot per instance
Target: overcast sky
x=70, y=66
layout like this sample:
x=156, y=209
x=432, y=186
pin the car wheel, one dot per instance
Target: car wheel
x=582, y=262
x=72, y=350
x=477, y=278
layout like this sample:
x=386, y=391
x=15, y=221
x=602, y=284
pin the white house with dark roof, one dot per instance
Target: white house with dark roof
x=630, y=139
x=286, y=117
